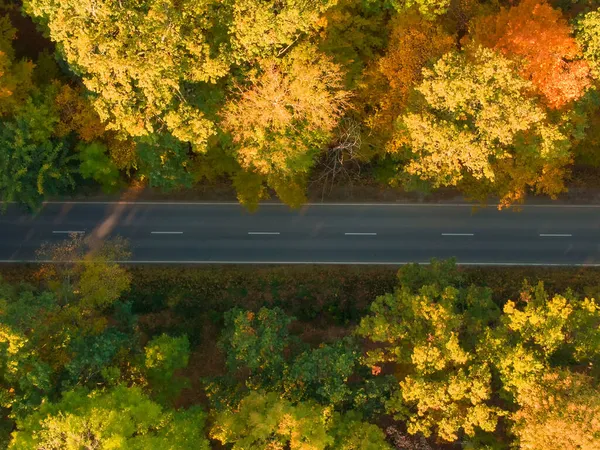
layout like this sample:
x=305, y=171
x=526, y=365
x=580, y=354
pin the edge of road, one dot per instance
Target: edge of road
x=355, y=204
x=308, y=263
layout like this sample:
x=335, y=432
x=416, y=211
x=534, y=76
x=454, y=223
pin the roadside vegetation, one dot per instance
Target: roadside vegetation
x=277, y=100
x=97, y=355
x=490, y=98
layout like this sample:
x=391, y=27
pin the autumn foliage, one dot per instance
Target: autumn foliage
x=77, y=115
x=414, y=42
x=172, y=93
x=475, y=121
x=98, y=355
x=541, y=36
x=289, y=106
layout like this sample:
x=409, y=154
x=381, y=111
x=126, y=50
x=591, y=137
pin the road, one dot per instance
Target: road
x=317, y=233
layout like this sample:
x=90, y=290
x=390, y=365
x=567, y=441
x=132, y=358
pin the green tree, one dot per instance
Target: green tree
x=440, y=273
x=352, y=433
x=445, y=385
x=42, y=352
x=60, y=337
x=15, y=76
x=32, y=163
x=106, y=419
x=585, y=129
x=322, y=374
x=24, y=377
x=266, y=421
x=91, y=355
x=164, y=356
x=163, y=162
x=96, y=164
x=352, y=35
x=256, y=342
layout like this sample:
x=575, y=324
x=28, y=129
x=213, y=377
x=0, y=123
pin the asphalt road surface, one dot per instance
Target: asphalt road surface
x=318, y=233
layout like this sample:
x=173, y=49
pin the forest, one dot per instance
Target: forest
x=94, y=355
x=492, y=98
x=495, y=99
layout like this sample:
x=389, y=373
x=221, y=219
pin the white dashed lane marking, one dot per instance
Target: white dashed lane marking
x=360, y=234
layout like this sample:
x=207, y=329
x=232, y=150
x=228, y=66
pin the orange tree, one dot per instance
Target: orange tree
x=540, y=38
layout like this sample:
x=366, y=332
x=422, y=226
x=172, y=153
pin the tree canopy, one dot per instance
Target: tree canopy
x=413, y=43
x=540, y=35
x=588, y=36
x=120, y=417
x=449, y=342
x=257, y=98
x=264, y=420
x=441, y=356
x=286, y=113
x=558, y=411
x=476, y=119
x=135, y=57
x=445, y=385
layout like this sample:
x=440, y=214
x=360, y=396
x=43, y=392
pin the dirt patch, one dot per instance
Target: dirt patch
x=314, y=334
x=206, y=360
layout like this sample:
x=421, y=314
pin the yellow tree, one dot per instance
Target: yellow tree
x=144, y=59
x=120, y=417
x=429, y=9
x=445, y=386
x=539, y=331
x=475, y=120
x=135, y=57
x=284, y=116
x=539, y=340
x=265, y=421
x=262, y=29
x=588, y=36
x=86, y=277
x=559, y=411
x=414, y=42
x=77, y=115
